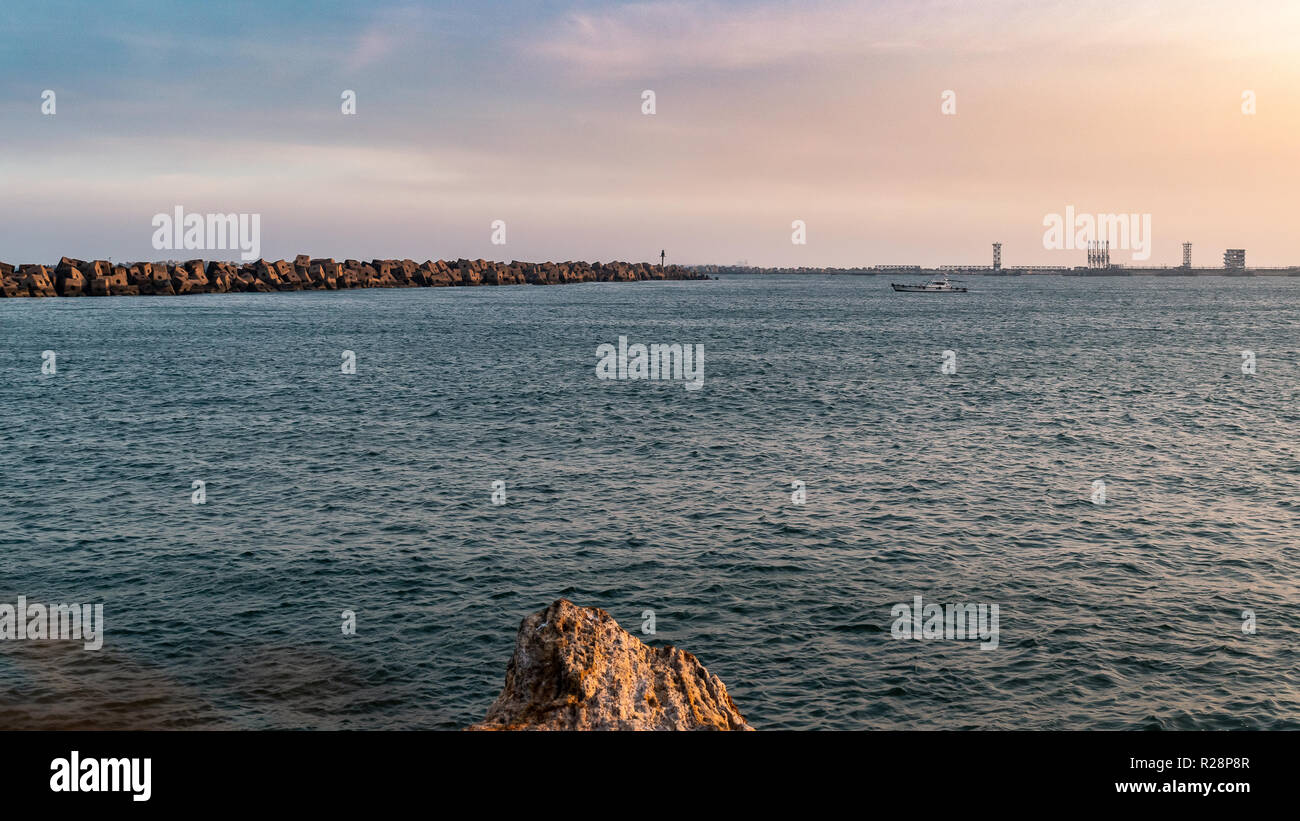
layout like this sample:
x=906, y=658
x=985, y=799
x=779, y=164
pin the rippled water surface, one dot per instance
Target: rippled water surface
x=372, y=492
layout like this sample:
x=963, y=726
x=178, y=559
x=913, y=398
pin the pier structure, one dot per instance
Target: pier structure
x=1098, y=259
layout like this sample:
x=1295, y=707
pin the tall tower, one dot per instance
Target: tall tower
x=1187, y=255
x=997, y=256
x=661, y=260
x=1098, y=254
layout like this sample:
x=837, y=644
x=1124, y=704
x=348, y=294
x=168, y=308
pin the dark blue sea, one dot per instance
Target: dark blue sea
x=372, y=492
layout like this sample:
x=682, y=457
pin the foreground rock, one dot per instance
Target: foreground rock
x=74, y=277
x=574, y=668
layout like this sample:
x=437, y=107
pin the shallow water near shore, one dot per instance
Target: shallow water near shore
x=373, y=493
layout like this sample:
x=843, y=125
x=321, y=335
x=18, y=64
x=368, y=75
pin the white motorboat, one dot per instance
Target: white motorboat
x=938, y=285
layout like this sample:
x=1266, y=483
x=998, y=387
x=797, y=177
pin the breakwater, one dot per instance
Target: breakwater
x=73, y=277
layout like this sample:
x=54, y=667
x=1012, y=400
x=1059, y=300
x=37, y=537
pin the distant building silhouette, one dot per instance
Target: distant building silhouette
x=1098, y=254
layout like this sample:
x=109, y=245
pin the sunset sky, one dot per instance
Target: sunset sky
x=530, y=112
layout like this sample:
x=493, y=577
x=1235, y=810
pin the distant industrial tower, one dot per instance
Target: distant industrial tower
x=1187, y=255
x=1098, y=254
x=997, y=256
x=1234, y=258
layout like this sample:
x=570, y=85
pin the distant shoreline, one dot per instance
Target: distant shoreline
x=74, y=278
x=1025, y=270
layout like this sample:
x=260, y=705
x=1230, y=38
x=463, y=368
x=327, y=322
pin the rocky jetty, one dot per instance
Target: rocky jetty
x=73, y=277
x=574, y=668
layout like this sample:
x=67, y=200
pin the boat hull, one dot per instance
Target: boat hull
x=927, y=289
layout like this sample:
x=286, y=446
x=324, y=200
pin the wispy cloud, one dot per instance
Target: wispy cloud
x=391, y=31
x=664, y=36
x=673, y=35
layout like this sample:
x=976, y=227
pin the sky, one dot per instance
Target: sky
x=765, y=113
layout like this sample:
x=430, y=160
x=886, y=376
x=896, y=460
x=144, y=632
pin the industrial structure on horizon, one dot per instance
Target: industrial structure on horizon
x=1098, y=254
